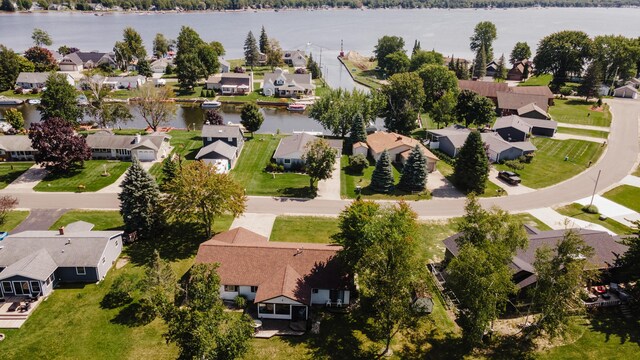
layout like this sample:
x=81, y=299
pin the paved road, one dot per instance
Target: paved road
x=617, y=163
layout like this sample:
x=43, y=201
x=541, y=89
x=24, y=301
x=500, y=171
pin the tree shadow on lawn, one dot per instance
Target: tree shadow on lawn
x=175, y=241
x=611, y=323
x=303, y=192
x=134, y=315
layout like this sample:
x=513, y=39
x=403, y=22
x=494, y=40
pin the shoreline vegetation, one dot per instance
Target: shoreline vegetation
x=349, y=5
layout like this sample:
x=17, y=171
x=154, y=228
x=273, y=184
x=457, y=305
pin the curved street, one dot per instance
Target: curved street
x=617, y=162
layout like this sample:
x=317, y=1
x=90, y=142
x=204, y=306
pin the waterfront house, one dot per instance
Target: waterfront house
x=291, y=149
x=93, y=59
x=398, y=146
x=295, y=58
x=231, y=83
x=225, y=66
x=125, y=82
x=283, y=84
x=71, y=62
x=282, y=279
x=16, y=148
x=105, y=145
x=37, y=80
x=484, y=88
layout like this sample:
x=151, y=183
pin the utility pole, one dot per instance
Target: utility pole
x=594, y=188
x=615, y=74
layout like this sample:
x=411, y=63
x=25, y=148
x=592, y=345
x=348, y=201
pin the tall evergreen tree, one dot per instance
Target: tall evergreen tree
x=452, y=64
x=592, y=79
x=251, y=50
x=264, y=41
x=382, y=176
x=358, y=129
x=472, y=166
x=414, y=172
x=501, y=70
x=313, y=68
x=139, y=200
x=169, y=171
x=480, y=63
x=416, y=47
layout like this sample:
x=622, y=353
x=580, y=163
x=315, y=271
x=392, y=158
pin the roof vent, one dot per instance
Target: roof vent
x=298, y=251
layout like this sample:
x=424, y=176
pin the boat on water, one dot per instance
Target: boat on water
x=33, y=101
x=211, y=104
x=297, y=107
x=9, y=101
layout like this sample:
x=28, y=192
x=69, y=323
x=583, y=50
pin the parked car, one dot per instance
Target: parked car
x=510, y=177
x=3, y=235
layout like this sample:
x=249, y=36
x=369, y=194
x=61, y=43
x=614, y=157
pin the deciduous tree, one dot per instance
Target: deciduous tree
x=382, y=177
x=60, y=100
x=154, y=104
x=414, y=171
x=591, y=81
x=319, y=159
x=161, y=45
x=483, y=36
x=274, y=54
x=41, y=58
x=59, y=148
x=396, y=62
x=336, y=109
x=475, y=109
x=130, y=48
x=443, y=111
x=15, y=119
x=561, y=54
x=213, y=117
x=199, y=193
x=437, y=80
x=403, y=99
x=7, y=204
x=520, y=52
x=352, y=235
x=422, y=57
x=160, y=284
x=251, y=117
x=501, y=70
x=387, y=45
x=41, y=38
x=617, y=56
x=471, y=169
x=9, y=68
x=139, y=200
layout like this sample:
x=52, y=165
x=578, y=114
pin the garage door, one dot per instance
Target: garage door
x=146, y=155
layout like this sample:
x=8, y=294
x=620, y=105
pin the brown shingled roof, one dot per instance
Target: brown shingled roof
x=381, y=140
x=533, y=90
x=484, y=88
x=514, y=101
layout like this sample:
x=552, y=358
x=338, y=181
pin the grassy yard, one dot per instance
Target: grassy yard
x=186, y=145
x=349, y=181
x=364, y=72
x=531, y=220
x=575, y=211
x=305, y=229
x=10, y=171
x=574, y=111
x=625, y=195
x=14, y=218
x=90, y=176
x=255, y=95
x=258, y=71
x=541, y=80
x=491, y=189
x=249, y=171
x=584, y=132
x=10, y=94
x=548, y=166
x=102, y=219
x=637, y=172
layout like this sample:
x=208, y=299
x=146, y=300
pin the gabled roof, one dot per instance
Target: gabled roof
x=541, y=123
x=221, y=131
x=219, y=147
x=38, y=266
x=457, y=135
x=484, y=88
x=513, y=121
x=627, y=87
x=110, y=141
x=381, y=140
x=514, y=101
x=532, y=107
x=276, y=268
x=299, y=81
x=94, y=56
x=533, y=90
x=33, y=77
x=297, y=143
x=15, y=143
x=498, y=144
x=72, y=58
x=224, y=62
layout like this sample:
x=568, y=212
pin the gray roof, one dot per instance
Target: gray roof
x=32, y=77
x=296, y=143
x=79, y=226
x=224, y=62
x=513, y=121
x=541, y=123
x=72, y=58
x=15, y=143
x=498, y=144
x=300, y=81
x=218, y=147
x=524, y=145
x=627, y=87
x=81, y=248
x=94, y=56
x=230, y=79
x=221, y=131
x=107, y=141
x=457, y=135
x=531, y=108
x=38, y=265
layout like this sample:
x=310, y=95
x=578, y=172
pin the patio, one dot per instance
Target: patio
x=15, y=310
x=270, y=328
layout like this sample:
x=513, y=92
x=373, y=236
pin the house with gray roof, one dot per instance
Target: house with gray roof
x=295, y=58
x=516, y=128
x=37, y=80
x=533, y=111
x=291, y=149
x=93, y=59
x=231, y=83
x=230, y=134
x=283, y=84
x=159, y=66
x=71, y=62
x=105, y=145
x=32, y=262
x=627, y=91
x=221, y=146
x=225, y=66
x=16, y=148
x=125, y=82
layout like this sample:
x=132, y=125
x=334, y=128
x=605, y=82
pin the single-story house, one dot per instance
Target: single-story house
x=626, y=91
x=291, y=149
x=533, y=111
x=283, y=84
x=516, y=73
x=399, y=148
x=491, y=69
x=125, y=82
x=517, y=128
x=484, y=88
x=606, y=248
x=220, y=154
x=93, y=59
x=534, y=90
x=225, y=66
x=37, y=80
x=295, y=58
x=159, y=66
x=451, y=139
x=509, y=102
x=71, y=62
x=105, y=145
x=32, y=262
x=16, y=148
x=231, y=83
x=282, y=279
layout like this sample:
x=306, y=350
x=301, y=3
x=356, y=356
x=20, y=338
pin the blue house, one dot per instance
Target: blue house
x=33, y=262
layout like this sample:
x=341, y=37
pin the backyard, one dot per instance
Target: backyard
x=574, y=111
x=549, y=167
x=249, y=170
x=91, y=177
x=540, y=80
x=9, y=171
x=258, y=71
x=575, y=211
x=625, y=195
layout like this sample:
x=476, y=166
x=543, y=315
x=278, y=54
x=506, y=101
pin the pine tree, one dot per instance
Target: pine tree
x=313, y=68
x=251, y=50
x=382, y=176
x=358, y=130
x=139, y=200
x=501, y=71
x=169, y=171
x=414, y=172
x=480, y=63
x=592, y=79
x=264, y=41
x=416, y=47
x=452, y=64
x=471, y=170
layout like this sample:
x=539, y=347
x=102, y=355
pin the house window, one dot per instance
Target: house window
x=6, y=287
x=231, y=288
x=81, y=270
x=314, y=291
x=283, y=309
x=35, y=287
x=287, y=161
x=254, y=289
x=265, y=308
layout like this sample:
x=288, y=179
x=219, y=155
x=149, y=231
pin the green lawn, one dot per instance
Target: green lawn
x=367, y=76
x=102, y=219
x=584, y=132
x=574, y=111
x=531, y=220
x=196, y=92
x=249, y=170
x=305, y=229
x=575, y=211
x=548, y=166
x=255, y=95
x=14, y=218
x=186, y=145
x=10, y=171
x=349, y=181
x=11, y=94
x=491, y=189
x=541, y=80
x=625, y=195
x=90, y=176
x=258, y=71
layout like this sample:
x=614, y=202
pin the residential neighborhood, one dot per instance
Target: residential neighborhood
x=188, y=196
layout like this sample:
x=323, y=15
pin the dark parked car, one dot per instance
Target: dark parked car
x=510, y=177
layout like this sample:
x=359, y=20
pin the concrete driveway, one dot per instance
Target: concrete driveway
x=330, y=189
x=258, y=223
x=27, y=181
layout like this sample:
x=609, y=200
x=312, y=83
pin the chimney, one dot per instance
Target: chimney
x=137, y=140
x=61, y=230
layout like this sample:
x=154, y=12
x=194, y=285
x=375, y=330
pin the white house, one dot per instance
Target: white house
x=281, y=83
x=159, y=66
x=37, y=80
x=105, y=145
x=282, y=279
x=291, y=149
x=125, y=82
x=626, y=91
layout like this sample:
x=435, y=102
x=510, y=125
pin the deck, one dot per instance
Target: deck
x=271, y=328
x=15, y=319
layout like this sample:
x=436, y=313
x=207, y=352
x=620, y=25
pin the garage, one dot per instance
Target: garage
x=146, y=155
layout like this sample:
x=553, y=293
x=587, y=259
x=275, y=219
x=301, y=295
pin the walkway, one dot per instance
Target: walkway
x=330, y=189
x=27, y=181
x=563, y=136
x=557, y=221
x=258, y=223
x=631, y=180
x=39, y=219
x=114, y=188
x=584, y=127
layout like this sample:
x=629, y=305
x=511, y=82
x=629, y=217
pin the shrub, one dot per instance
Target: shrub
x=281, y=168
x=590, y=209
x=271, y=167
x=240, y=301
x=514, y=164
x=301, y=71
x=35, y=91
x=120, y=292
x=18, y=90
x=357, y=163
x=238, y=70
x=444, y=157
x=565, y=91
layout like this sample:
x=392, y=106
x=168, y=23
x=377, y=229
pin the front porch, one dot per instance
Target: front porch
x=15, y=310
